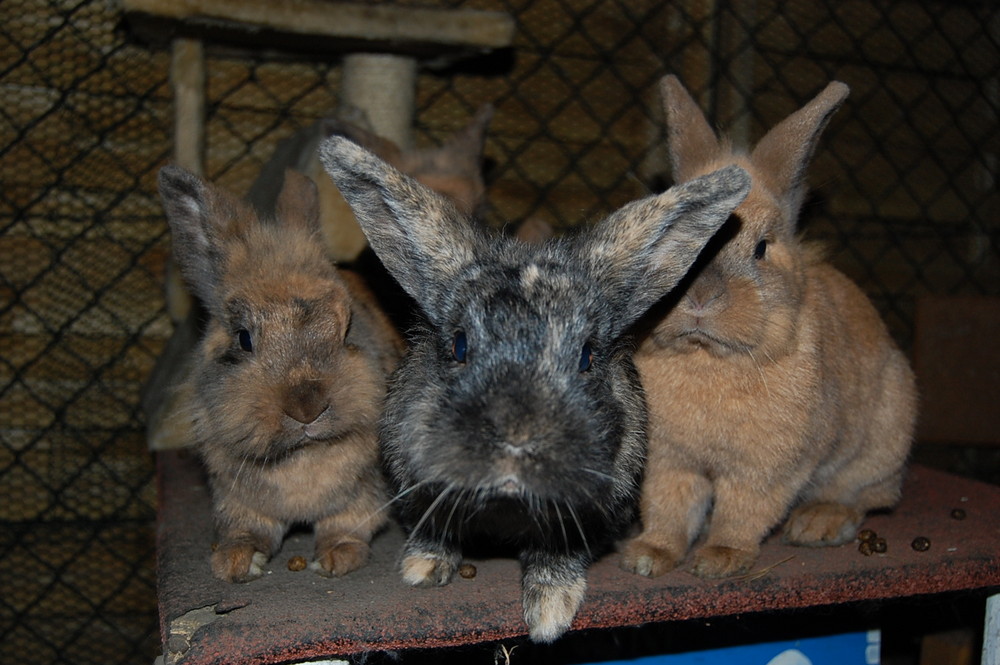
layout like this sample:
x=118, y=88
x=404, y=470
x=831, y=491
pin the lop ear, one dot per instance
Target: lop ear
x=201, y=217
x=781, y=157
x=417, y=233
x=640, y=252
x=298, y=202
x=691, y=142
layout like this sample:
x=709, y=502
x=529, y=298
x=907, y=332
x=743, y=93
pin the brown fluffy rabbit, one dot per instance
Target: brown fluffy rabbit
x=774, y=387
x=287, y=383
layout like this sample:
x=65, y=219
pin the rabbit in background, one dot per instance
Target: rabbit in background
x=454, y=169
x=776, y=393
x=286, y=385
x=517, y=421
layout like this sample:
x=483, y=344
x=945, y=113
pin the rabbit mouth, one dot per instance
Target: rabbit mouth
x=510, y=485
x=699, y=338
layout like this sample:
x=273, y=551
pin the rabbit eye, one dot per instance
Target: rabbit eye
x=459, y=346
x=586, y=357
x=760, y=250
x=246, y=342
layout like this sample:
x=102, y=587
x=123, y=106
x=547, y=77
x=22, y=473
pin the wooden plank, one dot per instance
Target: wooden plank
x=379, y=26
x=298, y=615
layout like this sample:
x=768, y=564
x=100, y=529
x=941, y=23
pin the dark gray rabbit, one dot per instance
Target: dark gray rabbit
x=517, y=421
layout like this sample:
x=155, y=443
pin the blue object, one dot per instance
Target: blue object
x=846, y=649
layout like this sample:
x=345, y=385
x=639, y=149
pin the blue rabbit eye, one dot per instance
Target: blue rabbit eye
x=246, y=342
x=760, y=250
x=459, y=345
x=586, y=357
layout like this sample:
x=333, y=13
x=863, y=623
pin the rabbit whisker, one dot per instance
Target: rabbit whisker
x=579, y=527
x=562, y=524
x=385, y=506
x=763, y=378
x=451, y=514
x=599, y=474
x=431, y=508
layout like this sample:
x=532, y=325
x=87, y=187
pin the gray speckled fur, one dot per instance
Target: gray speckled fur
x=516, y=449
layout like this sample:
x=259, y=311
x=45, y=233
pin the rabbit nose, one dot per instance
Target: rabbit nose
x=705, y=293
x=305, y=402
x=517, y=444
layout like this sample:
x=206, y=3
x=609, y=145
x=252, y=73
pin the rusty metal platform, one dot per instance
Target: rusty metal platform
x=288, y=616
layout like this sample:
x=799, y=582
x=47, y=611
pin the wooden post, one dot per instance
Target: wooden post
x=187, y=79
x=384, y=87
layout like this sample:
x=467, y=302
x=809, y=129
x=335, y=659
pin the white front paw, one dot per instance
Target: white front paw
x=427, y=569
x=549, y=608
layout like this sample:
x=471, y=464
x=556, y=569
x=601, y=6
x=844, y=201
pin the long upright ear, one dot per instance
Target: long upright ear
x=298, y=202
x=692, y=143
x=781, y=157
x=640, y=252
x=468, y=141
x=199, y=216
x=417, y=233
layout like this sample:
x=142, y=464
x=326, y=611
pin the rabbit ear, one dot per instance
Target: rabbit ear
x=781, y=157
x=199, y=215
x=298, y=202
x=641, y=251
x=469, y=141
x=417, y=233
x=691, y=141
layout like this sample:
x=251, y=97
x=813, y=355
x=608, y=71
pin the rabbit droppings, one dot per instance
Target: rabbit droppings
x=288, y=380
x=517, y=421
x=773, y=385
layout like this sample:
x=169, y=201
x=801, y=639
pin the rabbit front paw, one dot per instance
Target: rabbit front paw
x=425, y=569
x=713, y=561
x=238, y=562
x=341, y=559
x=549, y=608
x=822, y=524
x=642, y=558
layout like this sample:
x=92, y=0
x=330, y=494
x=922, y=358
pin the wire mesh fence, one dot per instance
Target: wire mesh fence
x=904, y=195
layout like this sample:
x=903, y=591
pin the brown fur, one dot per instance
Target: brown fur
x=773, y=385
x=453, y=169
x=287, y=429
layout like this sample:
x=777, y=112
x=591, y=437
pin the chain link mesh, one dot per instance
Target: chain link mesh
x=904, y=195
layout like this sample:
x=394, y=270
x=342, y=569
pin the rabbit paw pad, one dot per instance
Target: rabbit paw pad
x=648, y=560
x=720, y=561
x=427, y=570
x=822, y=524
x=341, y=559
x=238, y=563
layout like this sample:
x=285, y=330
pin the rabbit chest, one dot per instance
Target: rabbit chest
x=717, y=414
x=307, y=485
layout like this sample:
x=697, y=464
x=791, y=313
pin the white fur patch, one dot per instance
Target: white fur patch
x=257, y=563
x=529, y=276
x=426, y=571
x=549, y=611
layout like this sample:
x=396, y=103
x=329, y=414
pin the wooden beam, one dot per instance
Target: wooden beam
x=383, y=27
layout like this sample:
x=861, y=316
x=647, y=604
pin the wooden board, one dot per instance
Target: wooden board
x=299, y=615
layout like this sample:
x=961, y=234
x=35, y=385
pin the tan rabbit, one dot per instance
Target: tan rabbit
x=774, y=388
x=286, y=385
x=454, y=169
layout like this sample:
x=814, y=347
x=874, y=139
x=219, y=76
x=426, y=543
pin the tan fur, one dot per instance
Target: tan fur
x=287, y=431
x=773, y=385
x=453, y=169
